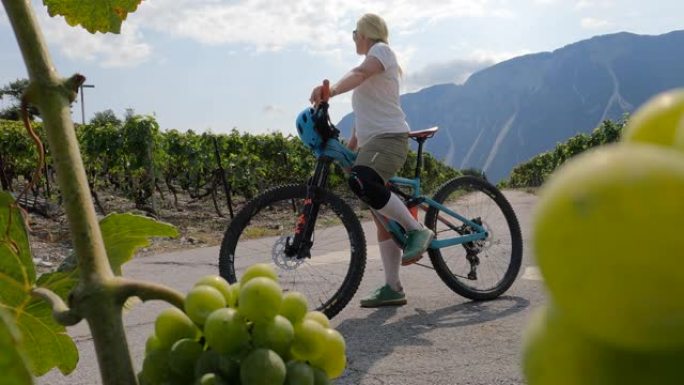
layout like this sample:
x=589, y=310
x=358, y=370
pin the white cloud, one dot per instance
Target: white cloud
x=107, y=50
x=591, y=4
x=276, y=24
x=263, y=25
x=593, y=23
x=273, y=109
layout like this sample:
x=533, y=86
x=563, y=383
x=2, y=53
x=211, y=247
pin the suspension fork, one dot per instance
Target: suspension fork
x=300, y=244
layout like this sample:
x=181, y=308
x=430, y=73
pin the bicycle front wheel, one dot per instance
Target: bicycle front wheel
x=260, y=231
x=483, y=269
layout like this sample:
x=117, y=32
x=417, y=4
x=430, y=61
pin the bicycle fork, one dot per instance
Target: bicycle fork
x=300, y=245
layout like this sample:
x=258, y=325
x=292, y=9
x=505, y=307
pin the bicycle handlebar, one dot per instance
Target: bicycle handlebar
x=325, y=91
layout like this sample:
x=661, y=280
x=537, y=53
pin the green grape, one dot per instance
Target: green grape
x=309, y=340
x=659, y=121
x=155, y=367
x=208, y=362
x=334, y=350
x=262, y=367
x=183, y=356
x=258, y=270
x=202, y=301
x=220, y=284
x=226, y=331
x=229, y=369
x=333, y=358
x=334, y=366
x=608, y=241
x=235, y=294
x=260, y=299
x=276, y=335
x=299, y=373
x=212, y=379
x=318, y=317
x=152, y=343
x=172, y=325
x=294, y=306
x=320, y=378
x=557, y=353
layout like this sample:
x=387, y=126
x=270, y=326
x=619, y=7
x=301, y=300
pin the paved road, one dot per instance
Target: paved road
x=439, y=338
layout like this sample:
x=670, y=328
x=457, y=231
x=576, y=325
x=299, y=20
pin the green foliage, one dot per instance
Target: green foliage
x=124, y=234
x=12, y=363
x=129, y=157
x=17, y=150
x=535, y=171
x=105, y=117
x=141, y=141
x=94, y=16
x=46, y=343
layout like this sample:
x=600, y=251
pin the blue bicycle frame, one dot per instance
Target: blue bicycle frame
x=344, y=157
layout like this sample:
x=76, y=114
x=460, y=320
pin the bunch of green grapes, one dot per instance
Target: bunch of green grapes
x=248, y=333
x=609, y=241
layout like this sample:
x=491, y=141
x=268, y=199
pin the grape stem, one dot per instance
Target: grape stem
x=146, y=291
x=60, y=310
x=98, y=297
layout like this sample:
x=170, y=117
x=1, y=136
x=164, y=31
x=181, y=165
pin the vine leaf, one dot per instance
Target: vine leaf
x=95, y=16
x=12, y=365
x=45, y=342
x=124, y=234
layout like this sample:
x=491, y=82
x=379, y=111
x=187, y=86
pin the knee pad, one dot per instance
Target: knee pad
x=369, y=186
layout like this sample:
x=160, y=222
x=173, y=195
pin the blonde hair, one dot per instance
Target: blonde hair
x=373, y=27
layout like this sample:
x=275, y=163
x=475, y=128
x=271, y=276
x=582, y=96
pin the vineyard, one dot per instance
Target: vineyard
x=535, y=171
x=152, y=169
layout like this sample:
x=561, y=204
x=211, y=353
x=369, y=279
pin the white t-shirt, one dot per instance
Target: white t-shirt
x=376, y=101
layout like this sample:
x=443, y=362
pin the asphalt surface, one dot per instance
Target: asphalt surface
x=439, y=338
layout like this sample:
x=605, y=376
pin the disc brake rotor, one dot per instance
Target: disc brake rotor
x=281, y=259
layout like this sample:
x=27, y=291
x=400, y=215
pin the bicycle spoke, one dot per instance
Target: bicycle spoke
x=330, y=276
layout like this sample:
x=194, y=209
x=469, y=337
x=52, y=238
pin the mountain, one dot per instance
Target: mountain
x=509, y=112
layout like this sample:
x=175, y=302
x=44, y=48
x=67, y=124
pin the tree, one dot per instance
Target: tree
x=13, y=91
x=103, y=118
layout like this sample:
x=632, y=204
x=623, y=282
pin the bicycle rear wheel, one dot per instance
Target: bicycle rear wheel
x=484, y=269
x=258, y=233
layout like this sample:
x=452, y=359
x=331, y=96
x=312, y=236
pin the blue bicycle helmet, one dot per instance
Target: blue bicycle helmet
x=306, y=128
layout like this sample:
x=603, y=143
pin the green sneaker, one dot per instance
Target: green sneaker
x=384, y=296
x=418, y=241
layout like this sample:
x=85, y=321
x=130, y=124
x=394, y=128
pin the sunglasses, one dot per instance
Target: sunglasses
x=354, y=34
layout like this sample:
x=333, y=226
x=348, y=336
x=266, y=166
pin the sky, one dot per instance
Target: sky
x=216, y=65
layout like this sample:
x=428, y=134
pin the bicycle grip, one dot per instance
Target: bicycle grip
x=325, y=91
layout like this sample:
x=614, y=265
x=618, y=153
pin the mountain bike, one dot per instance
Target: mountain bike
x=316, y=242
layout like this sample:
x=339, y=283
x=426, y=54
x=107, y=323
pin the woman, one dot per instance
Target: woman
x=381, y=135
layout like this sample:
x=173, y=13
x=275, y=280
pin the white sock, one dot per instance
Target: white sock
x=391, y=260
x=396, y=209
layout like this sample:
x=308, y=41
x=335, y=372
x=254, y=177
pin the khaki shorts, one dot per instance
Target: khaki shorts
x=385, y=154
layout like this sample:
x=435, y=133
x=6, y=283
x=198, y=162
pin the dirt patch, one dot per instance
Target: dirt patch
x=197, y=221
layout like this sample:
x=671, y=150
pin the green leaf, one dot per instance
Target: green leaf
x=12, y=364
x=45, y=342
x=124, y=234
x=95, y=16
